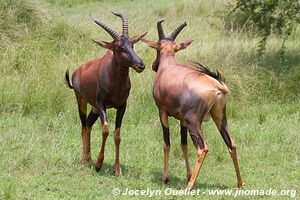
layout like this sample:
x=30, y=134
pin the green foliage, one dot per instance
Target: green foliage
x=40, y=140
x=266, y=17
x=19, y=17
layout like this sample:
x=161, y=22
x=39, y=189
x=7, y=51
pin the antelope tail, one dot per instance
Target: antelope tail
x=67, y=80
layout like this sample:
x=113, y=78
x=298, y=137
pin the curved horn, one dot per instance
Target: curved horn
x=109, y=30
x=174, y=34
x=124, y=24
x=160, y=30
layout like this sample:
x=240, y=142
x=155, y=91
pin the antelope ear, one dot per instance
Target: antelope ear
x=183, y=45
x=150, y=43
x=104, y=44
x=137, y=38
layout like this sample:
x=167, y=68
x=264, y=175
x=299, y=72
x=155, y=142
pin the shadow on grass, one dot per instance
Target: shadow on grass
x=107, y=170
x=270, y=77
x=180, y=183
x=175, y=181
x=273, y=62
x=137, y=174
x=283, y=74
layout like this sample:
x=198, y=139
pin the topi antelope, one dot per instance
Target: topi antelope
x=190, y=95
x=105, y=83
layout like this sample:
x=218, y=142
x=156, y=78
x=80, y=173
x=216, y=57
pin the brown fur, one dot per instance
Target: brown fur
x=104, y=83
x=190, y=96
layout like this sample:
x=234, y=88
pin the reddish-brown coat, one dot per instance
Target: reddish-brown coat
x=104, y=83
x=190, y=96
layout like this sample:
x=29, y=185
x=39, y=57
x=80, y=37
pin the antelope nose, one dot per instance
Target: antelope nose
x=139, y=66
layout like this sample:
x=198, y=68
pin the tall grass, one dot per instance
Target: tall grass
x=32, y=58
x=19, y=18
x=37, y=47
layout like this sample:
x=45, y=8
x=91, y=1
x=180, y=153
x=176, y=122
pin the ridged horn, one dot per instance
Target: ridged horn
x=109, y=30
x=160, y=30
x=124, y=23
x=174, y=34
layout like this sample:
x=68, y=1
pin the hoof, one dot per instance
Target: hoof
x=117, y=171
x=240, y=185
x=189, y=187
x=86, y=164
x=165, y=180
x=97, y=169
x=98, y=164
x=83, y=166
x=188, y=178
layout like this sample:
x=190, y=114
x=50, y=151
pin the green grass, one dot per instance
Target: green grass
x=40, y=151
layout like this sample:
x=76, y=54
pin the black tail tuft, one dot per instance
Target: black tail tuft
x=67, y=80
x=216, y=75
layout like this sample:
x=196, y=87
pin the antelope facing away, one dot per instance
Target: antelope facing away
x=190, y=95
x=105, y=83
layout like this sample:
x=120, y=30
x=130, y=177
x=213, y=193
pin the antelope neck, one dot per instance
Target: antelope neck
x=166, y=59
x=118, y=71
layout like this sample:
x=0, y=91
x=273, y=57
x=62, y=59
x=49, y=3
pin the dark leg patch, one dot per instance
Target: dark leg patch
x=119, y=116
x=166, y=135
x=183, y=133
x=92, y=118
x=82, y=118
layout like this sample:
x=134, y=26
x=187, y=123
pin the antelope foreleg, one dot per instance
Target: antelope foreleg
x=100, y=158
x=117, y=138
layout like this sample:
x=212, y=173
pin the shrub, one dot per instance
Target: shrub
x=265, y=17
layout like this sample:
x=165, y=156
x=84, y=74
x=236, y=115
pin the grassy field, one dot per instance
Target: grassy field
x=40, y=142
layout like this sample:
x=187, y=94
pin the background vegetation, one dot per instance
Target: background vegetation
x=40, y=143
x=266, y=17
